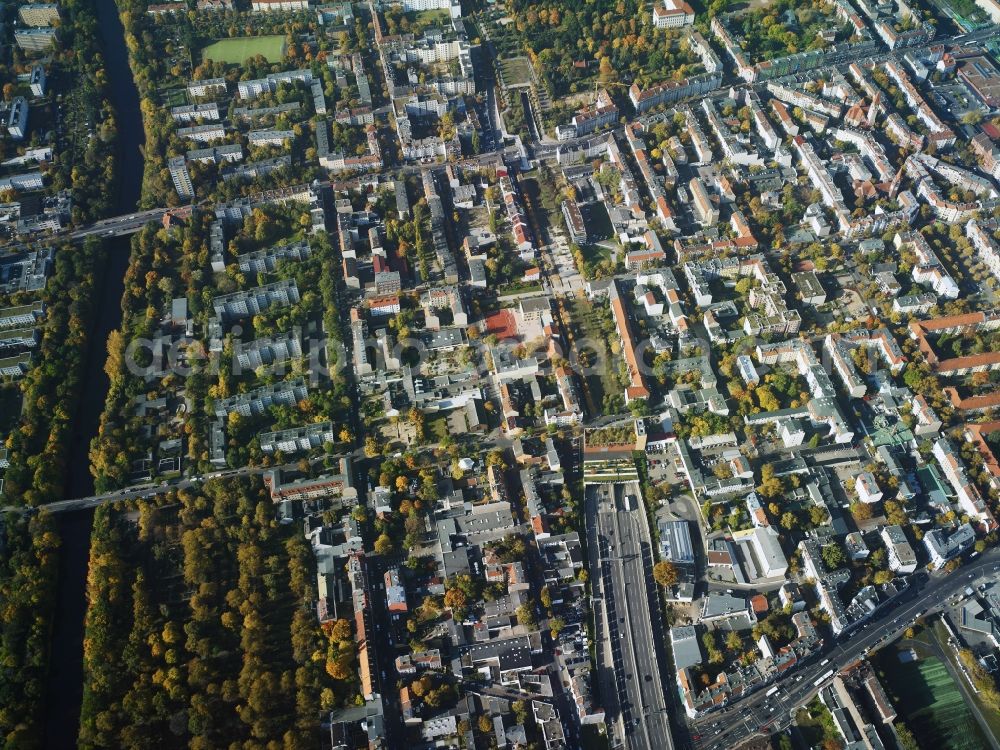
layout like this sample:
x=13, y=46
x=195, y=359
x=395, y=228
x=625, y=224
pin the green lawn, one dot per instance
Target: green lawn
x=438, y=17
x=516, y=71
x=595, y=216
x=437, y=427
x=173, y=97
x=237, y=50
x=595, y=254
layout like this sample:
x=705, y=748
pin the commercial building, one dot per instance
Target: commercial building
x=675, y=543
x=982, y=78
x=766, y=558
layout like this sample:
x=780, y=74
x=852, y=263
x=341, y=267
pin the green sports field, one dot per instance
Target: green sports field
x=235, y=51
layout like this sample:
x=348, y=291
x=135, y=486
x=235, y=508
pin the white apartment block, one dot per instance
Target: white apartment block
x=270, y=6
x=15, y=118
x=269, y=137
x=250, y=302
x=194, y=112
x=454, y=7
x=269, y=351
x=297, y=439
x=206, y=87
x=19, y=317
x=254, y=403
x=203, y=133
x=928, y=270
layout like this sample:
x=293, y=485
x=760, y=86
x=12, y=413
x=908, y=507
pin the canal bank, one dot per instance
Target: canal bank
x=64, y=689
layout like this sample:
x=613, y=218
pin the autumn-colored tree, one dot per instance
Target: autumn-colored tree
x=665, y=574
x=861, y=511
x=383, y=545
x=733, y=641
x=455, y=599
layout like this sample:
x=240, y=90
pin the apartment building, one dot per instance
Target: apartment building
x=35, y=40
x=246, y=303
x=39, y=14
x=269, y=351
x=266, y=261
x=21, y=316
x=902, y=558
x=330, y=484
x=297, y=439
x=181, y=177
x=207, y=87
x=256, y=402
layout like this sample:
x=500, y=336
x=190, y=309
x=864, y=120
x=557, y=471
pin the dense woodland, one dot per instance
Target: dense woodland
x=200, y=630
x=570, y=42
x=27, y=592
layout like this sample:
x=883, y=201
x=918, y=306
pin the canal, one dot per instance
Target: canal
x=64, y=689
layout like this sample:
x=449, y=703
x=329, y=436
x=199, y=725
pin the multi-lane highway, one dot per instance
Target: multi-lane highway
x=626, y=583
x=727, y=728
